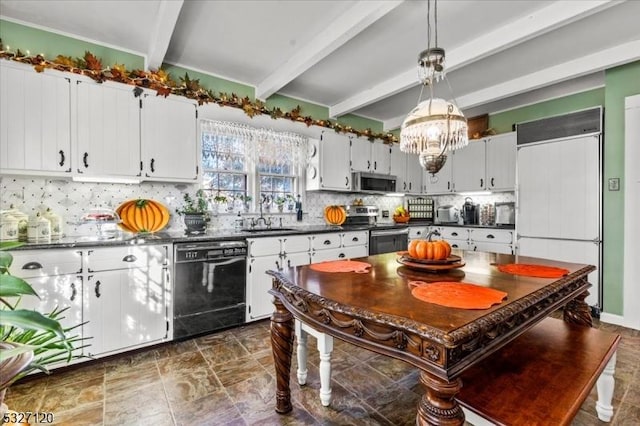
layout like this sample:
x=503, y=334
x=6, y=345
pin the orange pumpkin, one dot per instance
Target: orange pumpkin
x=142, y=215
x=335, y=215
x=412, y=248
x=421, y=249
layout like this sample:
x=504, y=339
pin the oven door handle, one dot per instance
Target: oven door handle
x=390, y=232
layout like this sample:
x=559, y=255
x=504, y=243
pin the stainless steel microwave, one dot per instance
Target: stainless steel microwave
x=373, y=183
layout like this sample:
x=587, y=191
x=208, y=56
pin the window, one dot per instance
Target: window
x=241, y=163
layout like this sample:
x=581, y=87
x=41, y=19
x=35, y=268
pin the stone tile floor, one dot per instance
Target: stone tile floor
x=227, y=378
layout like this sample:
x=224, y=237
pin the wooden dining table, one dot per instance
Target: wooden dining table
x=375, y=310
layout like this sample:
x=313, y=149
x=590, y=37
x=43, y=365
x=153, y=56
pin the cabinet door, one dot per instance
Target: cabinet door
x=328, y=255
x=259, y=303
x=491, y=236
x=335, y=171
x=108, y=130
x=124, y=308
x=325, y=241
x=35, y=123
x=265, y=246
x=469, y=167
x=398, y=168
x=169, y=141
x=297, y=259
x=360, y=154
x=440, y=183
x=356, y=238
x=501, y=162
x=380, y=157
x=415, y=173
x=453, y=233
x=57, y=292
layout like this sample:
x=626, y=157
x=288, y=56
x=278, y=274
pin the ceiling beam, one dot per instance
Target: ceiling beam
x=598, y=61
x=166, y=20
x=557, y=14
x=358, y=17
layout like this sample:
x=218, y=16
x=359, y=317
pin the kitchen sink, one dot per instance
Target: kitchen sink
x=264, y=230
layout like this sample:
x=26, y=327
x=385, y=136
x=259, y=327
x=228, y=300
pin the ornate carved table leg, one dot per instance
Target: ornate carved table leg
x=438, y=406
x=282, y=346
x=578, y=311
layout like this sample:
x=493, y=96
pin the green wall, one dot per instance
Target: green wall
x=620, y=82
x=36, y=41
x=217, y=84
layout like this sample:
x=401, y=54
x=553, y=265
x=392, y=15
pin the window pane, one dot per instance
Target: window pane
x=265, y=183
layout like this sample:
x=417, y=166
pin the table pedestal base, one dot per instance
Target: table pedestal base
x=282, y=346
x=438, y=406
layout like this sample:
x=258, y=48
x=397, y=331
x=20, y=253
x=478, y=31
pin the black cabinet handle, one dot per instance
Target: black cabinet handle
x=375, y=165
x=490, y=236
x=152, y=165
x=448, y=185
x=289, y=263
x=492, y=182
x=97, y=289
x=61, y=163
x=129, y=258
x=419, y=233
x=341, y=255
x=454, y=234
x=475, y=248
x=481, y=182
x=368, y=164
x=347, y=177
x=278, y=266
x=354, y=239
x=405, y=185
x=327, y=242
x=73, y=292
x=454, y=245
x=85, y=159
x=31, y=266
x=410, y=186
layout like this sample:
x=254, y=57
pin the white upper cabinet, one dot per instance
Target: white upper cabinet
x=469, y=167
x=329, y=163
x=406, y=167
x=169, y=138
x=371, y=157
x=35, y=123
x=398, y=168
x=441, y=182
x=486, y=164
x=501, y=162
x=108, y=130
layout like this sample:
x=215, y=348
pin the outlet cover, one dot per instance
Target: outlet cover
x=614, y=184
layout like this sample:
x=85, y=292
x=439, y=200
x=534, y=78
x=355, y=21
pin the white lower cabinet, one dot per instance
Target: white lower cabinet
x=265, y=254
x=274, y=253
x=125, y=303
x=117, y=297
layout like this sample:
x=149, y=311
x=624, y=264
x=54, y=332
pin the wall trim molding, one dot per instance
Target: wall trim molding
x=615, y=320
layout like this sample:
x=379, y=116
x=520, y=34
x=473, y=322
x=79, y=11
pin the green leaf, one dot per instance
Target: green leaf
x=5, y=354
x=8, y=245
x=5, y=259
x=11, y=286
x=31, y=320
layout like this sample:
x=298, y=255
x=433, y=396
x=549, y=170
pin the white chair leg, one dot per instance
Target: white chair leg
x=605, y=387
x=325, y=347
x=302, y=353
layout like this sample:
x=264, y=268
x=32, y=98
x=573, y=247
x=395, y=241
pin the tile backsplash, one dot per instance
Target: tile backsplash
x=72, y=200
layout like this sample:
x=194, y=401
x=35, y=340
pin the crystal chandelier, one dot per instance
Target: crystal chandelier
x=435, y=126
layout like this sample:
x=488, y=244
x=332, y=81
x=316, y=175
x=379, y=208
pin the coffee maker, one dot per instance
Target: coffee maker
x=470, y=212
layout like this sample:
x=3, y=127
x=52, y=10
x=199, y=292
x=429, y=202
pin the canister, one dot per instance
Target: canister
x=23, y=223
x=8, y=227
x=56, y=224
x=39, y=230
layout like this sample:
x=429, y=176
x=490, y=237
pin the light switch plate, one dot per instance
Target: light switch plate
x=614, y=184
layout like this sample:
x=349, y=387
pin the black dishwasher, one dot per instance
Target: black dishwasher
x=208, y=287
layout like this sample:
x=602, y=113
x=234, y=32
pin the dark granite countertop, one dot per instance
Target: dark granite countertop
x=218, y=234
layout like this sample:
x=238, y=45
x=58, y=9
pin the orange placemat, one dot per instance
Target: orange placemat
x=341, y=266
x=538, y=271
x=456, y=295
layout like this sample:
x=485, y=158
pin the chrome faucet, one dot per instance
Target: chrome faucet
x=267, y=221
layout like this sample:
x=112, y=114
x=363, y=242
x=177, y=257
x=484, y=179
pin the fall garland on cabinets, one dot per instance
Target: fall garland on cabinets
x=165, y=85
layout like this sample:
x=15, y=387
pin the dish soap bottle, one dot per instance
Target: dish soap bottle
x=299, y=209
x=238, y=224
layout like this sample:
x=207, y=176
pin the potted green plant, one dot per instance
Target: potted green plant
x=221, y=203
x=194, y=212
x=291, y=202
x=29, y=340
x=279, y=201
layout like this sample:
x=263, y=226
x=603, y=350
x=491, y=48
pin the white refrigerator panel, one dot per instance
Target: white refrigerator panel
x=565, y=251
x=558, y=189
